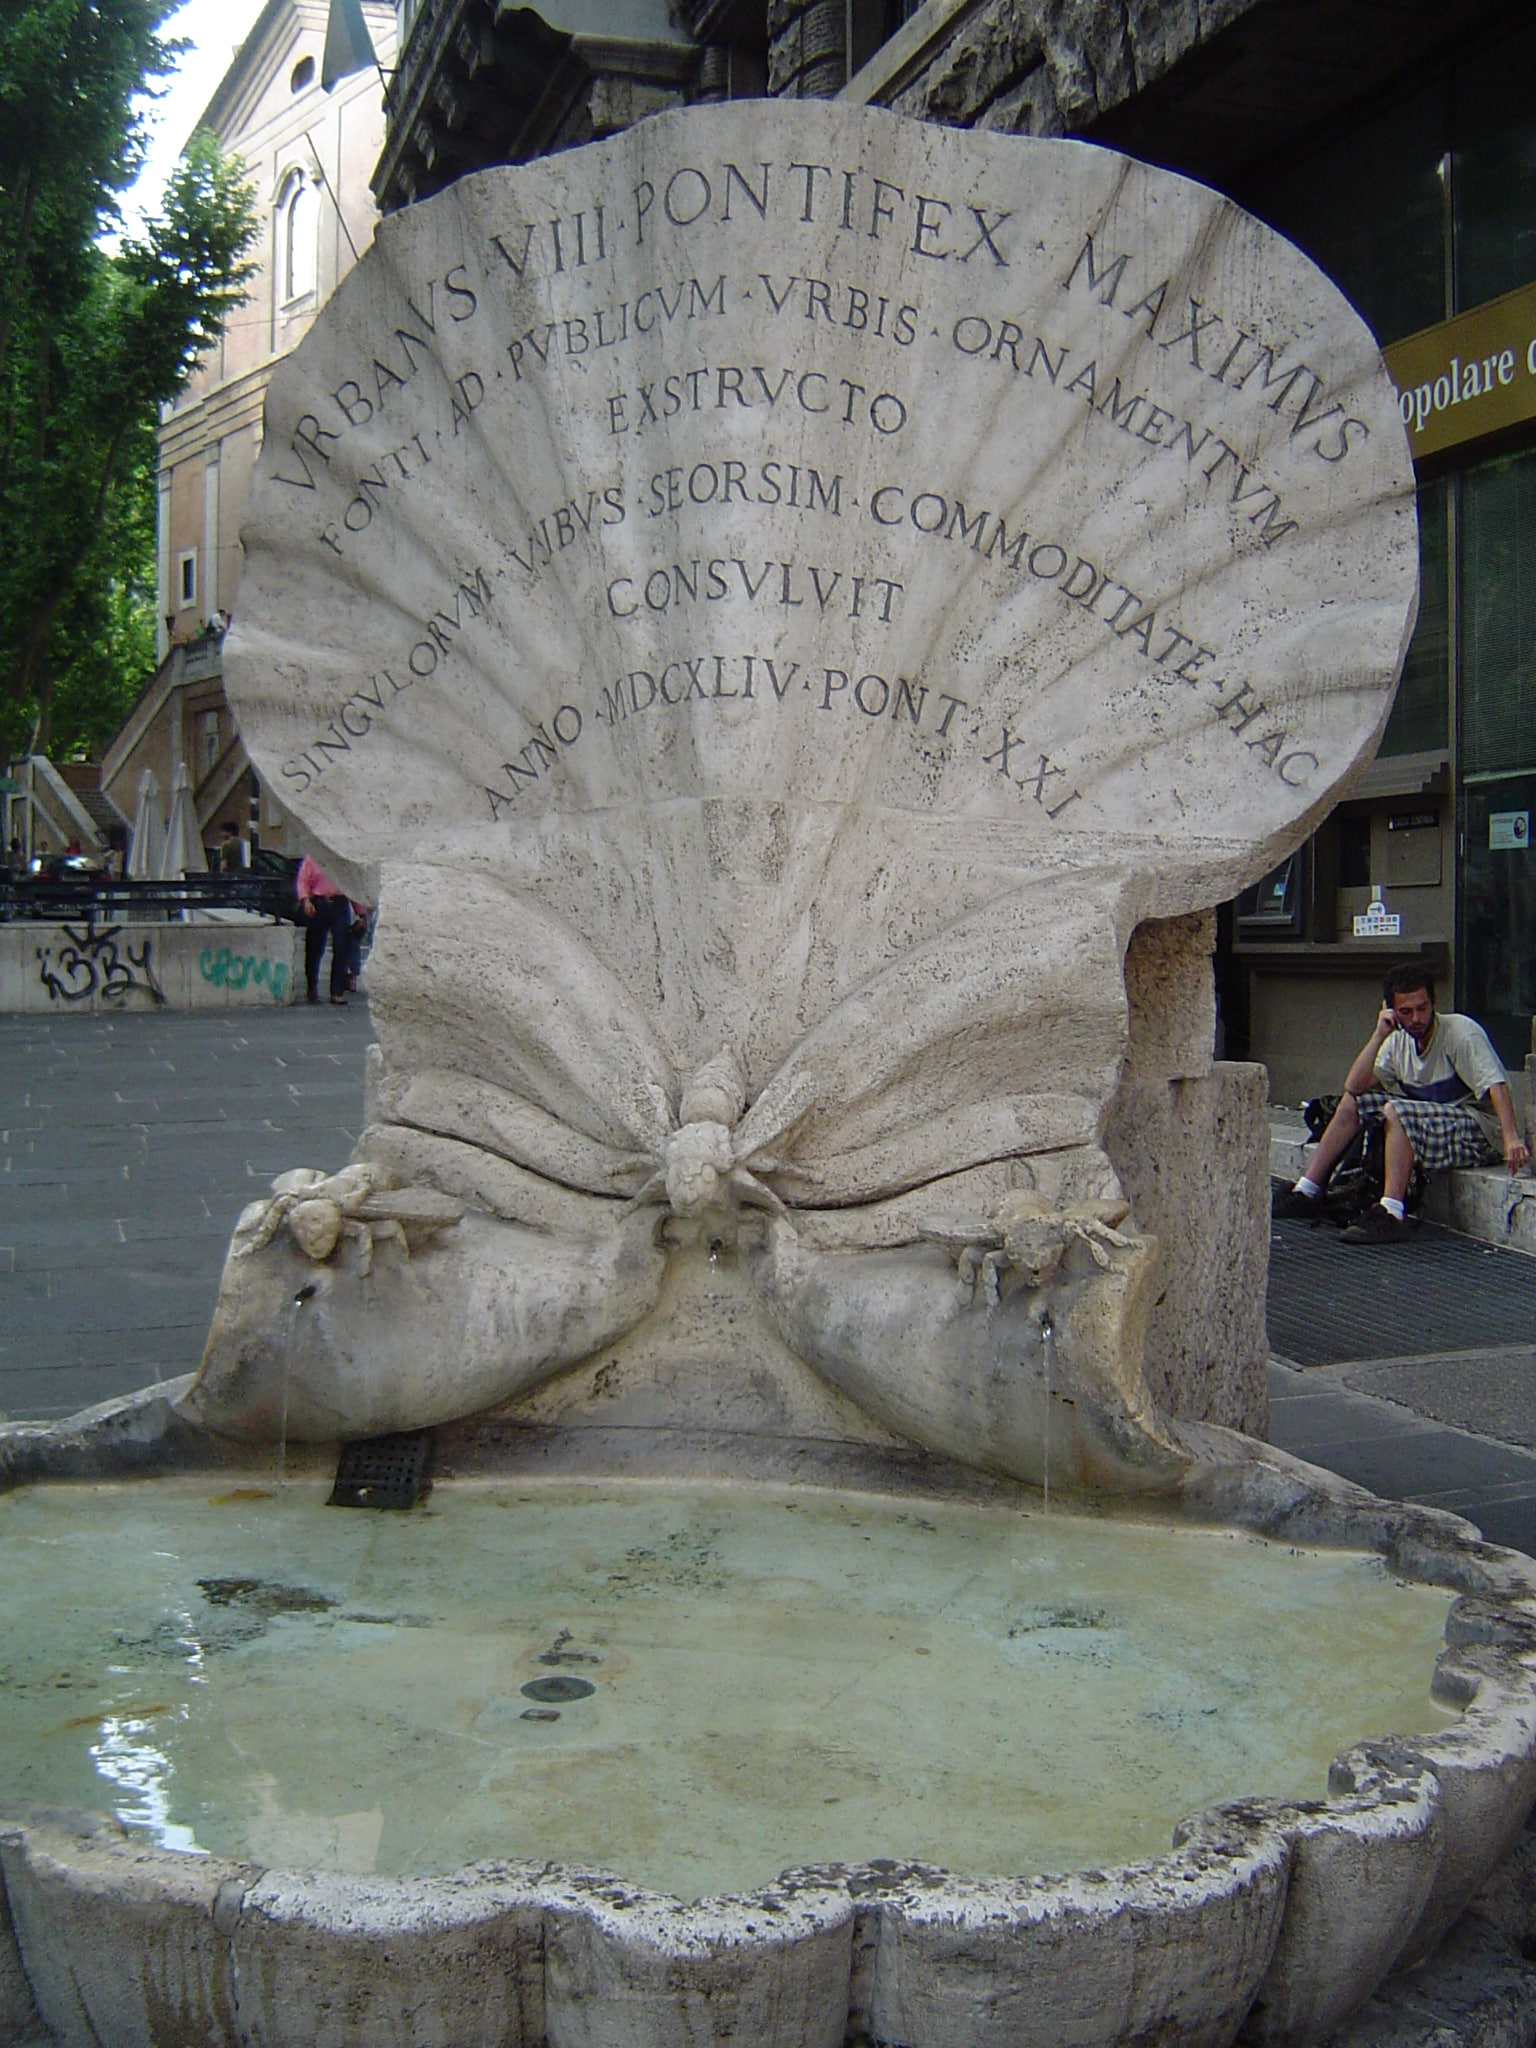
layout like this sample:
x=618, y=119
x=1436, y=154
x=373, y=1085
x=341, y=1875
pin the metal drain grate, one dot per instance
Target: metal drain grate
x=1331, y=1302
x=384, y=1471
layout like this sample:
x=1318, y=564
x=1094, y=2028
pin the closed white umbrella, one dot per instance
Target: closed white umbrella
x=146, y=846
x=184, y=850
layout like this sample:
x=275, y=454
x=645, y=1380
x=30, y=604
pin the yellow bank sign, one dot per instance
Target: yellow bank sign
x=1470, y=376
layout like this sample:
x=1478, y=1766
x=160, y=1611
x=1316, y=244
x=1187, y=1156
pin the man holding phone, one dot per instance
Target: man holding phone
x=1436, y=1083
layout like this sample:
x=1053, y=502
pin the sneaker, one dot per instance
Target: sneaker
x=1378, y=1226
x=1292, y=1204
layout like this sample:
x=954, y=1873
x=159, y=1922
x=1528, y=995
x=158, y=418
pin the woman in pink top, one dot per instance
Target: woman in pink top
x=327, y=914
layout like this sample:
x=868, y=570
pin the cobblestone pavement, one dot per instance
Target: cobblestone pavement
x=128, y=1147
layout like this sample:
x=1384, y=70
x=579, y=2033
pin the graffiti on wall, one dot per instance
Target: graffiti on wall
x=91, y=964
x=226, y=969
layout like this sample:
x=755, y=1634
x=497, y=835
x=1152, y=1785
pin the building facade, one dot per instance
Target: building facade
x=1420, y=199
x=309, y=154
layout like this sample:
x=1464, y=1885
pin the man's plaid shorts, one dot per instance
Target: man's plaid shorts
x=1441, y=1133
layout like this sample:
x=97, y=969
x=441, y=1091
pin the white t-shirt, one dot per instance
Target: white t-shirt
x=1458, y=1064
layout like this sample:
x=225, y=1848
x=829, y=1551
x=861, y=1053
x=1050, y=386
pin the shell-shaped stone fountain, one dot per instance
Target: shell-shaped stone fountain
x=778, y=598
x=772, y=602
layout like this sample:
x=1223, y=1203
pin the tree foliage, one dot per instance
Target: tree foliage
x=91, y=345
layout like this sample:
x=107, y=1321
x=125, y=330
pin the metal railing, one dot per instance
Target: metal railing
x=93, y=899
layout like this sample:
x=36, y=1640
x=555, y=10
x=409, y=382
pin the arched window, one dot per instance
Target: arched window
x=298, y=237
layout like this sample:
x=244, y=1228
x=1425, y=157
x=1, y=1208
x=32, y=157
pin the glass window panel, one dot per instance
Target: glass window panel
x=1498, y=616
x=1355, y=851
x=300, y=223
x=1495, y=178
x=1369, y=206
x=1420, y=718
x=1498, y=916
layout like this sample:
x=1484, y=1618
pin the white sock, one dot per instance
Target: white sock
x=1392, y=1207
x=1307, y=1187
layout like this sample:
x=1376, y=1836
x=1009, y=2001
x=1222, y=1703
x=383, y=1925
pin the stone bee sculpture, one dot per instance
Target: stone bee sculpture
x=362, y=1203
x=1028, y=1235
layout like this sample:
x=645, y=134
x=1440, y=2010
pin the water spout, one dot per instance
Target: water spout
x=290, y=1343
x=1048, y=1352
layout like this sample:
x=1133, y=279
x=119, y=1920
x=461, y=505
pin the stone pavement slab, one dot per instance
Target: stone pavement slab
x=128, y=1146
x=1393, y=1451
x=1490, y=1392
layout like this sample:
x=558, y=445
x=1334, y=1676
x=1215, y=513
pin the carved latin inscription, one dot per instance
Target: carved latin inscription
x=983, y=477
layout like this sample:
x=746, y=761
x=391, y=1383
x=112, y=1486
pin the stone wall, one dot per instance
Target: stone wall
x=1190, y=1141
x=50, y=969
x=1029, y=67
x=806, y=48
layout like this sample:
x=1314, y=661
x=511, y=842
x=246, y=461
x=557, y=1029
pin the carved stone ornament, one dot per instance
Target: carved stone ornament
x=772, y=601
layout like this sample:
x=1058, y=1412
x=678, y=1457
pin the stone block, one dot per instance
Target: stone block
x=1486, y=1203
x=626, y=1970
x=1486, y=1768
x=1362, y=1869
x=1171, y=998
x=1171, y=1952
x=19, y=2019
x=1037, y=69
x=465, y=1960
x=119, y=1942
x=990, y=54
x=1193, y=1157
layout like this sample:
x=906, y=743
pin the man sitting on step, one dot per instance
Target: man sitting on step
x=1436, y=1083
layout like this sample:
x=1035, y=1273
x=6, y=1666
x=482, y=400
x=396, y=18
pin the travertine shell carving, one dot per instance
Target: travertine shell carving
x=778, y=597
x=820, y=456
x=802, y=581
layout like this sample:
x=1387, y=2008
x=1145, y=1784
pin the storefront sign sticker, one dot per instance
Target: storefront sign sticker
x=1378, y=922
x=1509, y=829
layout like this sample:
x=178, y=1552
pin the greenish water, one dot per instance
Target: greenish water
x=778, y=1676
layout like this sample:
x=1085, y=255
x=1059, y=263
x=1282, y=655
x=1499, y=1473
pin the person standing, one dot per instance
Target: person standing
x=327, y=915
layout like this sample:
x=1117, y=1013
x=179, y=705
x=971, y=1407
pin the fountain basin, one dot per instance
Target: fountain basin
x=692, y=1684
x=1282, y=1906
